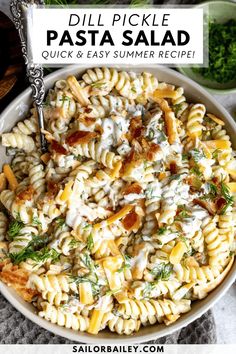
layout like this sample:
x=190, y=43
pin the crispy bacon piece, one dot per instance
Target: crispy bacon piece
x=45, y=157
x=131, y=221
x=80, y=137
x=88, y=110
x=152, y=152
x=26, y=194
x=208, y=205
x=58, y=148
x=132, y=188
x=173, y=168
x=17, y=278
x=87, y=121
x=220, y=203
x=136, y=127
x=52, y=188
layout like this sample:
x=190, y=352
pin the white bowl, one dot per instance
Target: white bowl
x=194, y=93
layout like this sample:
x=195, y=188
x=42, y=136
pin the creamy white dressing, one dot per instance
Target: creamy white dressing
x=133, y=196
x=114, y=129
x=139, y=261
x=65, y=161
x=124, y=148
x=153, y=190
x=205, y=167
x=191, y=225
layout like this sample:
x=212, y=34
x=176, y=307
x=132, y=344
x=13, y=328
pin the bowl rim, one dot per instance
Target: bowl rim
x=191, y=316
x=181, y=69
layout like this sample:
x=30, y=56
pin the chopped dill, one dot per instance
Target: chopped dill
x=14, y=228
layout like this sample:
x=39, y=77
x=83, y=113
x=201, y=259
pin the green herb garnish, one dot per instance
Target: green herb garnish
x=196, y=171
x=60, y=222
x=90, y=243
x=40, y=256
x=127, y=264
x=225, y=191
x=215, y=153
x=177, y=108
x=37, y=222
x=86, y=279
x=162, y=230
x=211, y=195
x=175, y=177
x=162, y=271
x=197, y=155
x=222, y=52
x=73, y=243
x=162, y=137
x=151, y=134
x=14, y=228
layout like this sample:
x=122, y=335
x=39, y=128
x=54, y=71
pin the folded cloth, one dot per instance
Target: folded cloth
x=16, y=329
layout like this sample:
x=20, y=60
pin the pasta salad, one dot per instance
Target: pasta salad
x=130, y=215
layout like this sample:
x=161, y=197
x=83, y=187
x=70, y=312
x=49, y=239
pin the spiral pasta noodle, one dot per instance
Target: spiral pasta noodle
x=129, y=217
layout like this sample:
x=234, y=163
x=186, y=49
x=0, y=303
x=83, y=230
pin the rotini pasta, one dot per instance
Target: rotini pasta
x=129, y=216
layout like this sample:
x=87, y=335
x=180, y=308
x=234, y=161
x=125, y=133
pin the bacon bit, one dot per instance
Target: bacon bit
x=130, y=157
x=173, y=168
x=45, y=157
x=17, y=278
x=88, y=110
x=152, y=152
x=137, y=133
x=136, y=127
x=131, y=221
x=220, y=203
x=209, y=206
x=134, y=159
x=52, y=188
x=26, y=194
x=87, y=121
x=215, y=180
x=58, y=148
x=132, y=188
x=99, y=129
x=80, y=137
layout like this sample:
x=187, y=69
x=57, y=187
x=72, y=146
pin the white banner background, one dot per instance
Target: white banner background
x=167, y=349
x=176, y=19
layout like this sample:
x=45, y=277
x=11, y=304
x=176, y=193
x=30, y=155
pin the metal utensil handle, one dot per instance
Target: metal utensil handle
x=34, y=72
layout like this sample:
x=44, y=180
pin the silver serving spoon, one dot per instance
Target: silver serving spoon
x=34, y=72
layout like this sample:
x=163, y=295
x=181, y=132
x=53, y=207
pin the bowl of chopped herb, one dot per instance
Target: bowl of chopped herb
x=220, y=75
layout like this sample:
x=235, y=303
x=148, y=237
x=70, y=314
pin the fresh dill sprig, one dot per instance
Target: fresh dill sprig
x=213, y=191
x=86, y=279
x=37, y=222
x=225, y=191
x=14, y=228
x=38, y=256
x=88, y=262
x=197, y=155
x=162, y=271
x=126, y=265
x=90, y=243
x=73, y=243
x=162, y=230
x=175, y=177
x=196, y=171
x=60, y=222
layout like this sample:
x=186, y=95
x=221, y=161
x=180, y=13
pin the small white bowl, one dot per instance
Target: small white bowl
x=194, y=93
